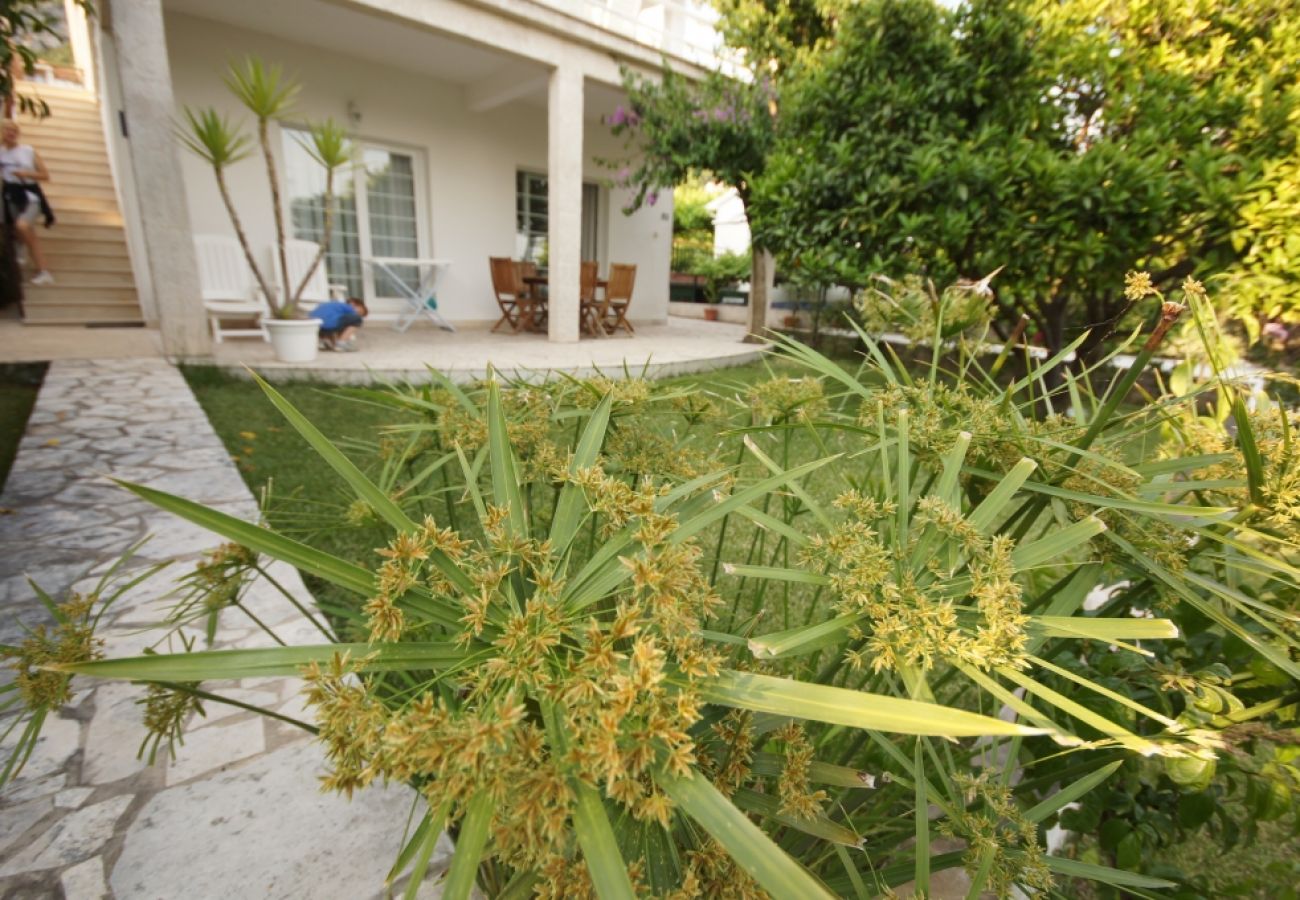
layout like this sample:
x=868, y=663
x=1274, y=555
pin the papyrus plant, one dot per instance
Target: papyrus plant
x=265, y=92
x=621, y=648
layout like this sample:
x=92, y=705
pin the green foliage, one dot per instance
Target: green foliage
x=25, y=27
x=691, y=213
x=675, y=126
x=210, y=136
x=1067, y=142
x=774, y=33
x=268, y=94
x=723, y=270
x=643, y=638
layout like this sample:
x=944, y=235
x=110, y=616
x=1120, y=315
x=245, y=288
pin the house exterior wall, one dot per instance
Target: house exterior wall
x=730, y=226
x=469, y=161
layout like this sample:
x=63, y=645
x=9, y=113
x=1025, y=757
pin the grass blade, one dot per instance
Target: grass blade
x=469, y=848
x=1071, y=793
x=856, y=709
x=505, y=479
x=263, y=540
x=754, y=851
x=570, y=509
x=209, y=665
x=364, y=488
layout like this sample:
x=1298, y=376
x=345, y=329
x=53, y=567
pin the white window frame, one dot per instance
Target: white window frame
x=600, y=235
x=356, y=171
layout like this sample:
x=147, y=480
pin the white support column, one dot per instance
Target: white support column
x=146, y=96
x=564, y=202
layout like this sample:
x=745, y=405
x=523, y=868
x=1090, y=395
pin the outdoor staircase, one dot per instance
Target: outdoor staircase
x=86, y=249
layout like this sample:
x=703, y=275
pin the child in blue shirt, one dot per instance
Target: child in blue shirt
x=339, y=322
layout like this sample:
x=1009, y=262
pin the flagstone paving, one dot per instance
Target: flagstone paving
x=238, y=812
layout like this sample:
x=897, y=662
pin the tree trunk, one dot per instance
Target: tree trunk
x=325, y=237
x=243, y=241
x=760, y=286
x=271, y=176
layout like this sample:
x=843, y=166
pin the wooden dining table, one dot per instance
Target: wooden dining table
x=535, y=319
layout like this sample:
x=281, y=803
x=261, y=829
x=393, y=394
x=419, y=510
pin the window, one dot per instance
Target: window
x=376, y=212
x=531, y=218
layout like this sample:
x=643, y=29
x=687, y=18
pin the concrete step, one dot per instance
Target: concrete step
x=96, y=182
x=57, y=98
x=67, y=215
x=72, y=136
x=64, y=294
x=85, y=169
x=67, y=156
x=76, y=232
x=68, y=277
x=62, y=121
x=62, y=243
x=87, y=249
x=68, y=258
x=81, y=314
x=67, y=200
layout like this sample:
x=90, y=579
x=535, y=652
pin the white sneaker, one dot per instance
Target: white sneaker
x=43, y=277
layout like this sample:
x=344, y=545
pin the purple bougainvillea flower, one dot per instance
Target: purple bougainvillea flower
x=619, y=116
x=652, y=198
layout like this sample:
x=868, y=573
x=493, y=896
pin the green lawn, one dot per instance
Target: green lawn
x=19, y=384
x=302, y=496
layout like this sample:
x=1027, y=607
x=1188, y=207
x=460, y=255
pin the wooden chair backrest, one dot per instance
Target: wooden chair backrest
x=587, y=280
x=506, y=280
x=622, y=278
x=525, y=269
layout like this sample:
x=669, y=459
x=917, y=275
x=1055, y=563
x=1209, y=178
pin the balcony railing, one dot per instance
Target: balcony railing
x=683, y=30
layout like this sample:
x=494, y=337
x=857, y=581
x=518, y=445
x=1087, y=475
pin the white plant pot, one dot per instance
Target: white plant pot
x=294, y=340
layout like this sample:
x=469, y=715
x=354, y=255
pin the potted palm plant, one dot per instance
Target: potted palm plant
x=268, y=95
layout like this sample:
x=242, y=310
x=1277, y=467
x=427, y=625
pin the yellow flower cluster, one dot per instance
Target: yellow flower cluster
x=72, y=640
x=911, y=593
x=993, y=825
x=616, y=667
x=788, y=399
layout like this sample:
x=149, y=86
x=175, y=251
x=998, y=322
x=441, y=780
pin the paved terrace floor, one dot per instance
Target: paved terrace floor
x=238, y=812
x=678, y=347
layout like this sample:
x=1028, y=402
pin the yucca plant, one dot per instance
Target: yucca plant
x=269, y=95
x=860, y=651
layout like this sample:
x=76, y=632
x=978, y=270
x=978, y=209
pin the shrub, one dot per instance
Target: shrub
x=637, y=638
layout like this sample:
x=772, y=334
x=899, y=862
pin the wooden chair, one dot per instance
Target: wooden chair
x=618, y=297
x=591, y=310
x=511, y=294
x=535, y=317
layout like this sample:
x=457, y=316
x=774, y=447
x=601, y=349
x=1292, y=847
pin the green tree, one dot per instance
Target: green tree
x=1070, y=142
x=677, y=125
x=27, y=27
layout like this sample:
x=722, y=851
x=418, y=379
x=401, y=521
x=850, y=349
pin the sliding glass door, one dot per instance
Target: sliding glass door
x=377, y=211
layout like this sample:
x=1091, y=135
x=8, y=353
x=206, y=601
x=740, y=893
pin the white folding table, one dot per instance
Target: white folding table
x=422, y=297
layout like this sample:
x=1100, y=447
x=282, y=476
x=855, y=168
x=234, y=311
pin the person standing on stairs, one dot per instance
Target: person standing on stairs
x=21, y=170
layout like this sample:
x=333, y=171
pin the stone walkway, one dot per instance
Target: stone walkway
x=237, y=813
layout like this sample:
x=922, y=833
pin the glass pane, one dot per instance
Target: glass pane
x=305, y=186
x=390, y=195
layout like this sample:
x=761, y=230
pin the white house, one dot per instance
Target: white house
x=730, y=225
x=480, y=124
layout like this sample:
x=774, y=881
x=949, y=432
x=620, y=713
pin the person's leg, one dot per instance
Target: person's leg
x=348, y=333
x=27, y=234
